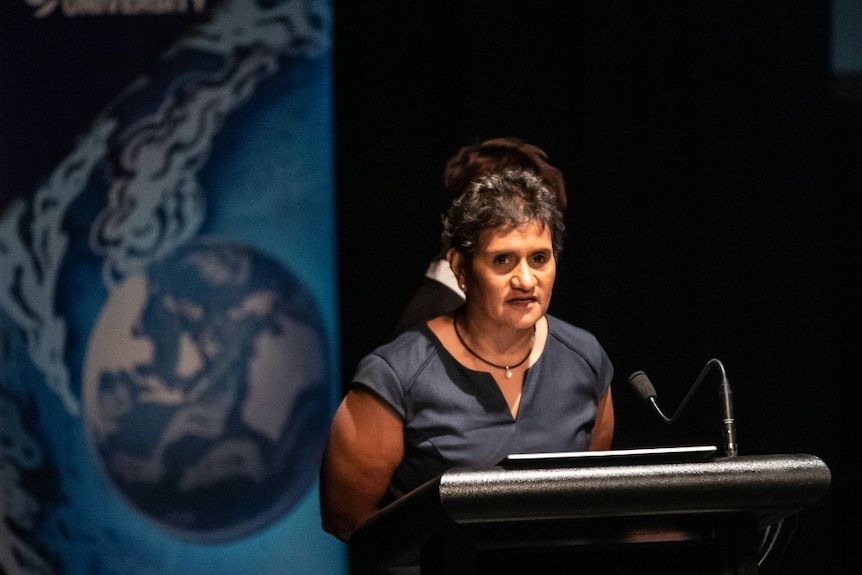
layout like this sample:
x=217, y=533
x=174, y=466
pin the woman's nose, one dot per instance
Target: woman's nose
x=523, y=277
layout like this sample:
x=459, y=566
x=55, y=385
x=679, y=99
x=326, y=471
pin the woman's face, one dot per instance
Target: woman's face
x=512, y=274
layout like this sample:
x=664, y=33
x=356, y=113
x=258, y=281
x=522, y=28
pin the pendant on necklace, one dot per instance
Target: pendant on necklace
x=482, y=359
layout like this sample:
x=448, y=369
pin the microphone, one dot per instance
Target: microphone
x=646, y=391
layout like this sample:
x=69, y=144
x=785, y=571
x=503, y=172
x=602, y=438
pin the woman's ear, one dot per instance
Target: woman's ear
x=456, y=262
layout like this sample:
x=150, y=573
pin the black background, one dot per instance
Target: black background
x=714, y=211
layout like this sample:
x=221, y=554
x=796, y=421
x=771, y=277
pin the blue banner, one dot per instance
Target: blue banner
x=168, y=310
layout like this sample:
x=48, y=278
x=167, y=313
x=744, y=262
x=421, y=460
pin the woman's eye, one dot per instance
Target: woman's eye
x=502, y=260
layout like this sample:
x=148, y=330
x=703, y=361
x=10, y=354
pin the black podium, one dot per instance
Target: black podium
x=643, y=518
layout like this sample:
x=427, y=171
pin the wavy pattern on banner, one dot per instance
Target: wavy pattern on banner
x=149, y=145
x=155, y=202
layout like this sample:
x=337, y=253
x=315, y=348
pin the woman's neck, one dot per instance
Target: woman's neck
x=499, y=343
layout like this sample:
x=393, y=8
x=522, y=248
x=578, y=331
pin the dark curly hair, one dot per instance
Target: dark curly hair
x=505, y=199
x=496, y=154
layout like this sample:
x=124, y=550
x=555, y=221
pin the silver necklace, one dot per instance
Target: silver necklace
x=508, y=368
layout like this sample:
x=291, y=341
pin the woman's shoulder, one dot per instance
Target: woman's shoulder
x=394, y=367
x=418, y=335
x=569, y=333
x=408, y=350
x=578, y=340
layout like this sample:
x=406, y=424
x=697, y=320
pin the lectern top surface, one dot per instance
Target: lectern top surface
x=646, y=456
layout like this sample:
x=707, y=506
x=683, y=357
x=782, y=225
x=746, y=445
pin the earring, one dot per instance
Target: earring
x=463, y=287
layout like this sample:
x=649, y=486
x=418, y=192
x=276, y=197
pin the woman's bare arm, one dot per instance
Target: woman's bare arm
x=603, y=429
x=365, y=445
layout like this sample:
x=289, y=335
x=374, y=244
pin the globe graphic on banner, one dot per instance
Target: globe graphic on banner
x=206, y=391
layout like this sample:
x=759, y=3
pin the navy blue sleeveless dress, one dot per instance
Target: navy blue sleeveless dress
x=456, y=417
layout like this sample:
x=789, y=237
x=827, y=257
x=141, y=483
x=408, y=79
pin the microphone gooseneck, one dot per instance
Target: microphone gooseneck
x=725, y=396
x=646, y=391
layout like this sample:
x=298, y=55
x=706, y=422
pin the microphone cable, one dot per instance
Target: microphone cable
x=771, y=536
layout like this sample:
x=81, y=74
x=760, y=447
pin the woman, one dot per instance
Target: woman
x=439, y=291
x=495, y=377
